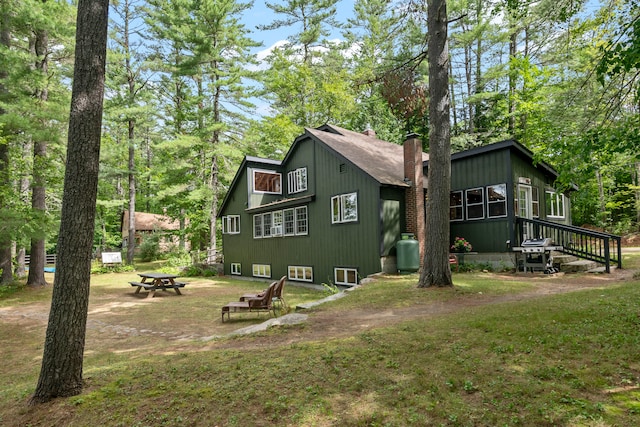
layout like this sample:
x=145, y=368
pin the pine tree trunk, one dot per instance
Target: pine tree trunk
x=436, y=271
x=512, y=82
x=131, y=247
x=21, y=272
x=637, y=192
x=38, y=193
x=61, y=372
x=601, y=200
x=5, y=240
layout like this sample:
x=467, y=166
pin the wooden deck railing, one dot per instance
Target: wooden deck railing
x=581, y=242
x=208, y=256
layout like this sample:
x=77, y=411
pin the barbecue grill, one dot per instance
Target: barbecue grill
x=537, y=254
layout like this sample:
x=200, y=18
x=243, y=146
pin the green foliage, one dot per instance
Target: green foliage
x=470, y=267
x=198, y=270
x=98, y=268
x=621, y=54
x=9, y=289
x=330, y=288
x=149, y=249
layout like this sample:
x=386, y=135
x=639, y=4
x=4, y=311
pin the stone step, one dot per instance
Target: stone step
x=559, y=258
x=578, y=266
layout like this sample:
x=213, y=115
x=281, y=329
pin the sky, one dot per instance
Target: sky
x=260, y=14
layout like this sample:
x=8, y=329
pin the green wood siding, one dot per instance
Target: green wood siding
x=354, y=244
x=504, y=166
x=479, y=171
x=303, y=157
x=327, y=245
x=484, y=236
x=392, y=218
x=488, y=234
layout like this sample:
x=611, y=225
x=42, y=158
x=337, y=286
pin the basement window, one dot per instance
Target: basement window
x=236, y=268
x=301, y=273
x=345, y=276
x=261, y=270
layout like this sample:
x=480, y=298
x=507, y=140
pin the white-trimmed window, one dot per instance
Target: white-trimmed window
x=231, y=224
x=555, y=204
x=267, y=182
x=302, y=223
x=266, y=224
x=456, y=211
x=475, y=203
x=297, y=180
x=257, y=226
x=276, y=223
x=261, y=270
x=345, y=276
x=535, y=203
x=344, y=208
x=287, y=222
x=300, y=273
x=236, y=268
x=497, y=201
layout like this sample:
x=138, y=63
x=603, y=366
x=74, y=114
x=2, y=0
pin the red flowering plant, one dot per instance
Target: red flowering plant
x=460, y=245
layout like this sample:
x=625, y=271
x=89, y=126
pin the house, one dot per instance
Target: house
x=147, y=224
x=330, y=212
x=334, y=208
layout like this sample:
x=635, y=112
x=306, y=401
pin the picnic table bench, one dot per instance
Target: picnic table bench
x=158, y=281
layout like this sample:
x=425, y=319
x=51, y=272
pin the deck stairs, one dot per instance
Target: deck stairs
x=572, y=264
x=583, y=249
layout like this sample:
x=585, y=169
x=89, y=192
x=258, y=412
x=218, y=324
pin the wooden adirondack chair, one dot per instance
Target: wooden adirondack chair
x=278, y=294
x=261, y=303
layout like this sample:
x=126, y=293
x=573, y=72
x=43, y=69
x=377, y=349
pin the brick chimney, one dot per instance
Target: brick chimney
x=369, y=132
x=414, y=195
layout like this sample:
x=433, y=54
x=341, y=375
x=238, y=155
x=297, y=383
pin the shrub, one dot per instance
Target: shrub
x=150, y=248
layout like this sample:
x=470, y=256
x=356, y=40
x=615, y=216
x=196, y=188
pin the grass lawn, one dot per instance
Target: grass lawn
x=498, y=349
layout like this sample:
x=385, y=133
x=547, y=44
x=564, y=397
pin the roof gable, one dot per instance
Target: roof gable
x=381, y=160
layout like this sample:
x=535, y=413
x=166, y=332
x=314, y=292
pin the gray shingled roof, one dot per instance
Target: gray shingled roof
x=382, y=160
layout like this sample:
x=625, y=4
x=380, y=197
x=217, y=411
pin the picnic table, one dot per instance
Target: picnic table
x=157, y=281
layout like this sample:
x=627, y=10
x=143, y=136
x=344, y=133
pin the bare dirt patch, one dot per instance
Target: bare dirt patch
x=326, y=323
x=118, y=325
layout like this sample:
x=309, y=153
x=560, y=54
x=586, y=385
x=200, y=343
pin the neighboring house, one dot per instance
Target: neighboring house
x=334, y=208
x=147, y=224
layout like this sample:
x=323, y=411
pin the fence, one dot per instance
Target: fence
x=50, y=259
x=208, y=256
